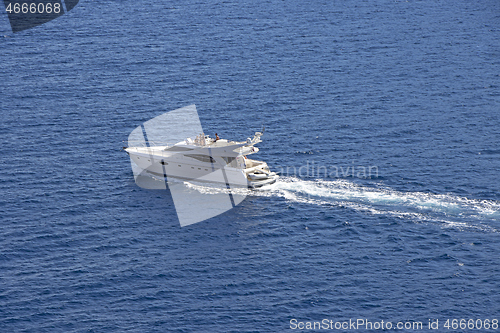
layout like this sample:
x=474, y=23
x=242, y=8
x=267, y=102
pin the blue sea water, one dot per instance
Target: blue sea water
x=409, y=88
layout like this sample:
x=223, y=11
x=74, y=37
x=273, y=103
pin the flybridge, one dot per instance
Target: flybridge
x=206, y=140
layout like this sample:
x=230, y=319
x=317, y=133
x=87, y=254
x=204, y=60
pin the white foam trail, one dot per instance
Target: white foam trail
x=447, y=209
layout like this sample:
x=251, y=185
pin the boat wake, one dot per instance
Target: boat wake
x=447, y=209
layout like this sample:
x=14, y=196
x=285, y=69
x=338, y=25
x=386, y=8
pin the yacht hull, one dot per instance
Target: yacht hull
x=186, y=169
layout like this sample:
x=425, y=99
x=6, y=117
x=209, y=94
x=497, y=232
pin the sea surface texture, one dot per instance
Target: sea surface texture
x=382, y=117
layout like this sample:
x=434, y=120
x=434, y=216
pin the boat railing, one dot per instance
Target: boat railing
x=151, y=143
x=202, y=142
x=148, y=143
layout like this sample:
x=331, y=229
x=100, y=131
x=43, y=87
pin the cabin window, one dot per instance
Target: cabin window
x=228, y=159
x=201, y=157
x=177, y=148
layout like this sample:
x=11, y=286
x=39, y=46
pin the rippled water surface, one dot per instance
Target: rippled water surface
x=409, y=90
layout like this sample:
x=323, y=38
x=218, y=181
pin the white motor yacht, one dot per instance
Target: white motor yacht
x=204, y=159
